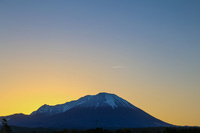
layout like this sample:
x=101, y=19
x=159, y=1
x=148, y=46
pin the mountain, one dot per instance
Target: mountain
x=99, y=100
x=102, y=110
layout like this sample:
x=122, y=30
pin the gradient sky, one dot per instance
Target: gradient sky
x=145, y=51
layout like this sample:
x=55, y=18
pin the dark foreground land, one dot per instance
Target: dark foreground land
x=139, y=130
x=100, y=130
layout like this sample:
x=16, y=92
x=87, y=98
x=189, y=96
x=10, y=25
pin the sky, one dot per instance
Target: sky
x=147, y=52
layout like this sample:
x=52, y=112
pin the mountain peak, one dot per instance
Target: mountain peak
x=102, y=99
x=104, y=93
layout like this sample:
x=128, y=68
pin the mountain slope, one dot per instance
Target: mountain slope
x=99, y=100
x=52, y=110
x=101, y=110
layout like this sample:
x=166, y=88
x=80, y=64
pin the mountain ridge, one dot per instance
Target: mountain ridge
x=59, y=108
x=110, y=110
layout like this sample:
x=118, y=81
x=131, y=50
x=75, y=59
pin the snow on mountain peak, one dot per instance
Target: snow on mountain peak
x=95, y=101
x=110, y=100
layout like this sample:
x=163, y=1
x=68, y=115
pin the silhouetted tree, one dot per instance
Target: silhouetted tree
x=5, y=128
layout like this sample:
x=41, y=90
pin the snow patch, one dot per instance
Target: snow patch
x=110, y=100
x=81, y=102
x=122, y=101
x=67, y=108
x=125, y=103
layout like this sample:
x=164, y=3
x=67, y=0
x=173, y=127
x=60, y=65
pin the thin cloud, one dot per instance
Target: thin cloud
x=118, y=67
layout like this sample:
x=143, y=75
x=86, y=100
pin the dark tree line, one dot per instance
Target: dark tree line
x=5, y=127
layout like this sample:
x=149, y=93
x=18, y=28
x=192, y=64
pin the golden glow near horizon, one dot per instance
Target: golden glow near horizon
x=141, y=51
x=27, y=89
